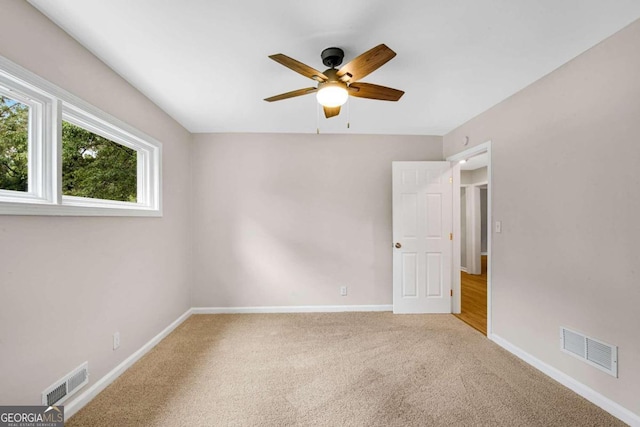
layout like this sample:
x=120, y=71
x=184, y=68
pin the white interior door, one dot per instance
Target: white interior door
x=422, y=227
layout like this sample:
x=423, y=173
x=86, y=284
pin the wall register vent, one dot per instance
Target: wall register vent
x=595, y=352
x=66, y=386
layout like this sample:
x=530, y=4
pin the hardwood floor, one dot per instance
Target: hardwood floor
x=474, y=299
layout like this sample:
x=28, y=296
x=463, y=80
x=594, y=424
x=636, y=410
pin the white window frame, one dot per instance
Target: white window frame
x=49, y=105
x=39, y=140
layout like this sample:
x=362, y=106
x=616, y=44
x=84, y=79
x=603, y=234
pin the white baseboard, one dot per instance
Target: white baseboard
x=588, y=393
x=484, y=253
x=463, y=269
x=292, y=309
x=86, y=396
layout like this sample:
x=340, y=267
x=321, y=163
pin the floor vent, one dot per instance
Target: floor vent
x=595, y=352
x=66, y=386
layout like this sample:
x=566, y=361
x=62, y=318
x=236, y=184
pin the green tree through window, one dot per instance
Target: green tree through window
x=95, y=167
x=92, y=166
x=14, y=142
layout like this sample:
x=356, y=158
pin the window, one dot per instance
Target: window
x=21, y=142
x=14, y=144
x=96, y=167
x=62, y=156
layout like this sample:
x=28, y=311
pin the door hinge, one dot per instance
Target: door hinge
x=451, y=292
x=450, y=236
x=450, y=180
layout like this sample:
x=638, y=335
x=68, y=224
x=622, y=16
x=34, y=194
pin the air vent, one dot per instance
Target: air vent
x=66, y=386
x=574, y=343
x=56, y=394
x=595, y=352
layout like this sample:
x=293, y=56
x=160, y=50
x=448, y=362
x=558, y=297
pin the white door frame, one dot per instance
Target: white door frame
x=470, y=152
x=473, y=229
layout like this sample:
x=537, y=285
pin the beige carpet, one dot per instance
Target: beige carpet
x=334, y=369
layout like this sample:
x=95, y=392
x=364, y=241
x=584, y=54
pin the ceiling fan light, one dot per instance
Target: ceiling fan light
x=332, y=95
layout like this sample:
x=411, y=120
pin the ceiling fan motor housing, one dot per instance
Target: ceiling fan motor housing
x=332, y=56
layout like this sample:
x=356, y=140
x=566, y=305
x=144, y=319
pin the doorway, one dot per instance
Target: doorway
x=473, y=246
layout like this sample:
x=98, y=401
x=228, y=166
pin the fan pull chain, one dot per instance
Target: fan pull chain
x=348, y=113
x=317, y=118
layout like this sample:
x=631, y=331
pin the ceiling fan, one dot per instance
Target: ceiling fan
x=335, y=86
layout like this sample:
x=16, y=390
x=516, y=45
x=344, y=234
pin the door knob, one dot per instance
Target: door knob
x=398, y=245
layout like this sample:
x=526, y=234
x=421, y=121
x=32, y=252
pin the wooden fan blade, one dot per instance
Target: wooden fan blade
x=367, y=63
x=371, y=91
x=299, y=67
x=292, y=94
x=331, y=111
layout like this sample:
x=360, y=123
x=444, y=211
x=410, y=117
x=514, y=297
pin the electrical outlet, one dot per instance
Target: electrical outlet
x=116, y=340
x=498, y=226
x=343, y=291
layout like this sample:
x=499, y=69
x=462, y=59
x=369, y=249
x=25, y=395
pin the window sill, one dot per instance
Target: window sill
x=71, y=208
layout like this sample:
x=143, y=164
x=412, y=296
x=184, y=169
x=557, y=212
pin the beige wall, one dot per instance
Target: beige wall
x=568, y=251
x=68, y=283
x=476, y=176
x=286, y=219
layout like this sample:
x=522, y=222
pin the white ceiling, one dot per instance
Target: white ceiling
x=205, y=62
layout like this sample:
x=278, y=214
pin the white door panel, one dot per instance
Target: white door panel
x=422, y=223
